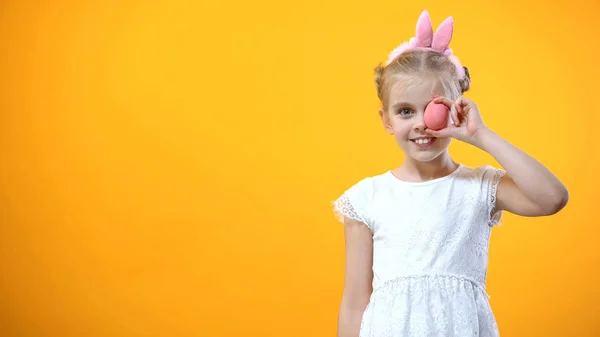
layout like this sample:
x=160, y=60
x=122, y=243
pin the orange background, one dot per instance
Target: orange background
x=167, y=167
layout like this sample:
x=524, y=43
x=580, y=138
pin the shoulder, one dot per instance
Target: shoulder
x=482, y=175
x=368, y=186
x=485, y=180
x=355, y=200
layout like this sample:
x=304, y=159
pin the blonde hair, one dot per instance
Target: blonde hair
x=416, y=63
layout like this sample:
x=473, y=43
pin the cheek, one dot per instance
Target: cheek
x=401, y=128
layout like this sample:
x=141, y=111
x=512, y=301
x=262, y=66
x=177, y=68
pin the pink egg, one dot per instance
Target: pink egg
x=436, y=116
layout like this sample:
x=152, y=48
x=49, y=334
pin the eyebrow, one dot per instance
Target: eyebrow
x=397, y=104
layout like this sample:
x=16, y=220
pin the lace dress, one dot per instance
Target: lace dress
x=430, y=252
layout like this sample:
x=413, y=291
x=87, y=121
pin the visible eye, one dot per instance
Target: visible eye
x=404, y=112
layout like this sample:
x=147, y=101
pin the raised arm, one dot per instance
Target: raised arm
x=358, y=277
x=528, y=188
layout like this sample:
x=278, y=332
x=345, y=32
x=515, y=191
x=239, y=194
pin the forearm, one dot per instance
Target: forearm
x=532, y=178
x=350, y=317
x=349, y=321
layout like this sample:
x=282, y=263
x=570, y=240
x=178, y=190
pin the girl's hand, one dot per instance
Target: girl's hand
x=467, y=122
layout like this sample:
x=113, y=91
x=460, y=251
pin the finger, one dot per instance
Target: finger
x=465, y=105
x=464, y=110
x=461, y=101
x=464, y=102
x=459, y=109
x=454, y=113
x=443, y=133
x=458, y=106
x=444, y=100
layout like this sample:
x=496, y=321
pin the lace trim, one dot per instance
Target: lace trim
x=342, y=208
x=398, y=281
x=494, y=218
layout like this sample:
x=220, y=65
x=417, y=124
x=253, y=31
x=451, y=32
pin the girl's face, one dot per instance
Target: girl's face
x=404, y=119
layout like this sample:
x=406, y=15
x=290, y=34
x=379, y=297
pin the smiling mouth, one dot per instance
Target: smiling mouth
x=423, y=141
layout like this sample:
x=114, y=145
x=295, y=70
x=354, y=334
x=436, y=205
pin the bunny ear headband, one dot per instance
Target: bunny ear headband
x=426, y=39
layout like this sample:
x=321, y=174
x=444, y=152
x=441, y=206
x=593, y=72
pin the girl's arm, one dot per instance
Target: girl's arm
x=528, y=188
x=358, y=277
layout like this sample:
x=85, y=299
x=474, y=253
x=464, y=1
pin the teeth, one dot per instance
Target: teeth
x=423, y=140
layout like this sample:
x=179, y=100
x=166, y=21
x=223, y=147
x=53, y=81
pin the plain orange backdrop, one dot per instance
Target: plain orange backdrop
x=167, y=167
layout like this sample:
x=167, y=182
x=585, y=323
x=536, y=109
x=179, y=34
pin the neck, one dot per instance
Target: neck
x=422, y=171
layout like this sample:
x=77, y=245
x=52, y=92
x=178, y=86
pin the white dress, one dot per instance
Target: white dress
x=430, y=252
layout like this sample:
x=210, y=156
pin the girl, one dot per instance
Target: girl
x=417, y=236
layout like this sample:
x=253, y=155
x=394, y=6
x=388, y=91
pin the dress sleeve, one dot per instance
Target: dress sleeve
x=490, y=181
x=353, y=203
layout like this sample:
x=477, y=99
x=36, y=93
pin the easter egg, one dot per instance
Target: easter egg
x=435, y=116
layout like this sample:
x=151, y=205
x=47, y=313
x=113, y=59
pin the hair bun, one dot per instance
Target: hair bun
x=379, y=80
x=465, y=84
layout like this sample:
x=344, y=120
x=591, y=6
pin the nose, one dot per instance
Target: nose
x=419, y=124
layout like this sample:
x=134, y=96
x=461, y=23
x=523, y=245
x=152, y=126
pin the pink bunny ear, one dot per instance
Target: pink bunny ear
x=424, y=35
x=425, y=38
x=443, y=35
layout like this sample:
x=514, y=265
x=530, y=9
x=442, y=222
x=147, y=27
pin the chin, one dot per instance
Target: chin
x=425, y=156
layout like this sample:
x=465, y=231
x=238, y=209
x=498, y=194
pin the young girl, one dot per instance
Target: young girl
x=417, y=236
